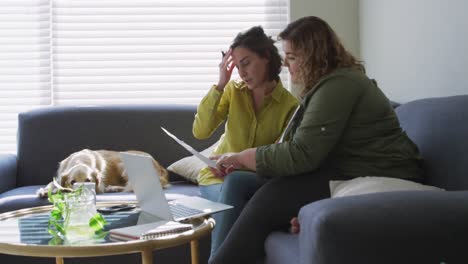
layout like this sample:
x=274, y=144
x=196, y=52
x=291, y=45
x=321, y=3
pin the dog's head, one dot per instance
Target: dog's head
x=79, y=173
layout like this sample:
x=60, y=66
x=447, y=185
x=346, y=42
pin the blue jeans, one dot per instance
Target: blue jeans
x=237, y=189
x=211, y=192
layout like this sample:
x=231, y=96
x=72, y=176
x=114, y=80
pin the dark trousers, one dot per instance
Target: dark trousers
x=260, y=208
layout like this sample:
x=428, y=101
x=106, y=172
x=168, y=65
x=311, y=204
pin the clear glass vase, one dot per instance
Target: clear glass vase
x=80, y=208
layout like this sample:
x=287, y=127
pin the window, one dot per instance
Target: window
x=25, y=79
x=84, y=52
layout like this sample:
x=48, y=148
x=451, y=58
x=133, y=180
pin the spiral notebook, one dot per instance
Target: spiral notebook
x=149, y=231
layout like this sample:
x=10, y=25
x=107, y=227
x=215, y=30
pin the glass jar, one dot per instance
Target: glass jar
x=80, y=208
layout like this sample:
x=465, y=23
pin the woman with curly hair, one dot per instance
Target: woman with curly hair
x=345, y=128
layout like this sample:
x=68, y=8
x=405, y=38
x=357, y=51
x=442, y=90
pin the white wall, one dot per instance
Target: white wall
x=417, y=48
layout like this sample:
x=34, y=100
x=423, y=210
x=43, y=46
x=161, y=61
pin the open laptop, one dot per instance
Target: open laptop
x=149, y=193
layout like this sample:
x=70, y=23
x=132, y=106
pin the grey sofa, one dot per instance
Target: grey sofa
x=395, y=227
x=47, y=136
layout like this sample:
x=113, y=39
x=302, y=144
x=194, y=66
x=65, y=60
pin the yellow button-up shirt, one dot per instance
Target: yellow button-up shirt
x=244, y=128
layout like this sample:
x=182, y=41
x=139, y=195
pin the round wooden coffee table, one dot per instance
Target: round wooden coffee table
x=28, y=236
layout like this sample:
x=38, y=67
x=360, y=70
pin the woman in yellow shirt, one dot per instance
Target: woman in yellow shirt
x=256, y=109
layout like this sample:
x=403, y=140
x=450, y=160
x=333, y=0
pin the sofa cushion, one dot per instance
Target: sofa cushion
x=391, y=227
x=24, y=197
x=19, y=198
x=439, y=127
x=282, y=247
x=363, y=185
x=189, y=167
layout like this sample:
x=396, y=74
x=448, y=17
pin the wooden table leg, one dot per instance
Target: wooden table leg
x=59, y=260
x=147, y=256
x=194, y=251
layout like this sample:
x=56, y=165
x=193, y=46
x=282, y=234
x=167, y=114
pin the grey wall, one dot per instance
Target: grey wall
x=342, y=15
x=416, y=48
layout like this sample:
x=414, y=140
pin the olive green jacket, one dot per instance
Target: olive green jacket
x=348, y=123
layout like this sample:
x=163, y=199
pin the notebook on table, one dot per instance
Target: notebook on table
x=150, y=195
x=149, y=231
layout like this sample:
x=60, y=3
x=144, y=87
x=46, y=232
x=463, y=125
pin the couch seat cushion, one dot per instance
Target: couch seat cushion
x=371, y=184
x=282, y=247
x=24, y=197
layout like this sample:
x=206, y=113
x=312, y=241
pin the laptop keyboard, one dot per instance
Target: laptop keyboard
x=182, y=211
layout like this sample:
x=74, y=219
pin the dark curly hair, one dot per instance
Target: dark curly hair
x=258, y=42
x=319, y=48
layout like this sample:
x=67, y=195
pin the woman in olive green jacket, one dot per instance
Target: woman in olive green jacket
x=345, y=128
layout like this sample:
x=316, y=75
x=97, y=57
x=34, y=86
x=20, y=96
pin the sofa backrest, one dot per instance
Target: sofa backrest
x=47, y=136
x=439, y=126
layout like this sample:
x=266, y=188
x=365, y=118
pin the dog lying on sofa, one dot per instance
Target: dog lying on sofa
x=103, y=167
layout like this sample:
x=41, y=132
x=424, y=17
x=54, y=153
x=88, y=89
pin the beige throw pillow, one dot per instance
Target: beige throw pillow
x=189, y=167
x=371, y=184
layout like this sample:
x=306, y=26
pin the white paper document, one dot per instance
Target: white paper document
x=206, y=160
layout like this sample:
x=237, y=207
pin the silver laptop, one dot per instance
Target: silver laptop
x=149, y=193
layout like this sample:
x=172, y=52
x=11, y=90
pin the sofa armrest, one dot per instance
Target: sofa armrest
x=8, y=169
x=392, y=227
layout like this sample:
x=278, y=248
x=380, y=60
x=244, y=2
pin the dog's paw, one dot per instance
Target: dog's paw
x=42, y=193
x=114, y=188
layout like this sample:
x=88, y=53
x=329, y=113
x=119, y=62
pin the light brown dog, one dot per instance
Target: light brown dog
x=103, y=167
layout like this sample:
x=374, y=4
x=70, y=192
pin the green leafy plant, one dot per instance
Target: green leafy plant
x=59, y=215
